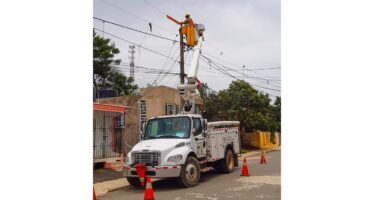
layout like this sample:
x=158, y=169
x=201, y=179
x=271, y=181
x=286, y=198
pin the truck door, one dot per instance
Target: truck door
x=198, y=142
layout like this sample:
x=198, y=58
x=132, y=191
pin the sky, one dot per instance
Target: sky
x=237, y=33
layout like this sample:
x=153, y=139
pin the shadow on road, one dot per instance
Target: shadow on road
x=172, y=183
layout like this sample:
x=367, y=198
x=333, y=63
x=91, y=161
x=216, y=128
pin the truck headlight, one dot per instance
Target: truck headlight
x=175, y=158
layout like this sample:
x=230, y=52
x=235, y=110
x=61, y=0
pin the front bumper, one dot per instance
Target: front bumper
x=157, y=172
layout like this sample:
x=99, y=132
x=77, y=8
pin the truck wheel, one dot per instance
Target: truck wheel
x=227, y=163
x=190, y=173
x=134, y=181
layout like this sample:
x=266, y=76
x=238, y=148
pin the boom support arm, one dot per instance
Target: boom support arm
x=192, y=74
x=187, y=90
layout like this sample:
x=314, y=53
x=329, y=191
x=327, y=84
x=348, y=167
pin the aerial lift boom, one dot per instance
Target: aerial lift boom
x=188, y=90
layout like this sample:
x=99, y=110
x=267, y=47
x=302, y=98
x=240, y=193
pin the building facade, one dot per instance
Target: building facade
x=108, y=130
x=151, y=102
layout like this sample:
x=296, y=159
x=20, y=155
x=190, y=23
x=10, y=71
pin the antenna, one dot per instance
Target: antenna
x=131, y=59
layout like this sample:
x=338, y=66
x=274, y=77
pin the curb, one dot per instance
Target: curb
x=102, y=188
x=253, y=153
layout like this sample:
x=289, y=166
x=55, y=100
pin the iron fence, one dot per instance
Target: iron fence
x=107, y=140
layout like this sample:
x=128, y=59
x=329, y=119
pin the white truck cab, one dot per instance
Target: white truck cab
x=183, y=146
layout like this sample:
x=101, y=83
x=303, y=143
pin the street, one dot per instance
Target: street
x=264, y=183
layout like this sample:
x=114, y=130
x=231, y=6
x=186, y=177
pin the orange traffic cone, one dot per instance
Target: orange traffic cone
x=263, y=160
x=148, y=195
x=140, y=170
x=94, y=194
x=245, y=171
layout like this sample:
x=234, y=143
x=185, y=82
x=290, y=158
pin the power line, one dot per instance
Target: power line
x=256, y=78
x=228, y=74
x=229, y=69
x=165, y=63
x=137, y=66
x=140, y=18
x=232, y=64
x=255, y=69
x=156, y=52
x=133, y=29
x=171, y=66
x=155, y=7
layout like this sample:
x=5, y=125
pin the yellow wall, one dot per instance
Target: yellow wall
x=259, y=139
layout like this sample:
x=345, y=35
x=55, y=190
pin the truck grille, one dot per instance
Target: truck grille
x=148, y=158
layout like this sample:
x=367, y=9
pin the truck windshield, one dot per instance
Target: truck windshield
x=173, y=127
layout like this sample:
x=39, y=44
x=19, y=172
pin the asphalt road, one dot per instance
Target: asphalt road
x=264, y=183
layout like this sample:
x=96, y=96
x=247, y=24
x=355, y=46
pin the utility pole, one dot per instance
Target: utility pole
x=131, y=58
x=181, y=63
x=181, y=56
x=243, y=71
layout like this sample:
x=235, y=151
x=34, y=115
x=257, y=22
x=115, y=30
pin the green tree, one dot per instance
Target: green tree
x=104, y=75
x=277, y=113
x=122, y=84
x=103, y=57
x=243, y=103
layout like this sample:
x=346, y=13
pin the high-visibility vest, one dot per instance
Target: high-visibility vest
x=189, y=31
x=189, y=21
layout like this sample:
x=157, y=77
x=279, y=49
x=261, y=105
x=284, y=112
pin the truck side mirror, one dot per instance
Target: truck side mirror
x=194, y=131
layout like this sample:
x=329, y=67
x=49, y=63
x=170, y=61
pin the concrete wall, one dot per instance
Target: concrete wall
x=157, y=98
x=261, y=140
x=130, y=134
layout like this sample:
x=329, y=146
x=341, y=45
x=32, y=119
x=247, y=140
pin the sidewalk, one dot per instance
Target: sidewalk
x=104, y=187
x=106, y=180
x=255, y=152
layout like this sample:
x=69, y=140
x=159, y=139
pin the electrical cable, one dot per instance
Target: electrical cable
x=155, y=7
x=140, y=18
x=228, y=74
x=134, y=44
x=133, y=29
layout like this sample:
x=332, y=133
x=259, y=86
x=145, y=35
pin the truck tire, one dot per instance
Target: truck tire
x=134, y=181
x=190, y=173
x=226, y=165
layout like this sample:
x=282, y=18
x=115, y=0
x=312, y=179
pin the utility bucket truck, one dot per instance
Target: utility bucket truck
x=184, y=145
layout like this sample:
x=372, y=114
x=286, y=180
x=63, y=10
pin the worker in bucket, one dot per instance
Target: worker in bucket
x=188, y=21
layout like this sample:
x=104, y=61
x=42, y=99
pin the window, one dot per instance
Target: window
x=170, y=109
x=197, y=126
x=174, y=127
x=177, y=109
x=143, y=114
x=197, y=109
x=120, y=121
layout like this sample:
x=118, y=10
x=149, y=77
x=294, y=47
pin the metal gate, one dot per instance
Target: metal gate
x=107, y=140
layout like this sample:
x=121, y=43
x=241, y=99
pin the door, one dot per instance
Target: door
x=198, y=142
x=107, y=141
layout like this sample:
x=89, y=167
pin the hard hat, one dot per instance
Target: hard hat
x=187, y=14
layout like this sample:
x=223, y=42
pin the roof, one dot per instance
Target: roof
x=109, y=108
